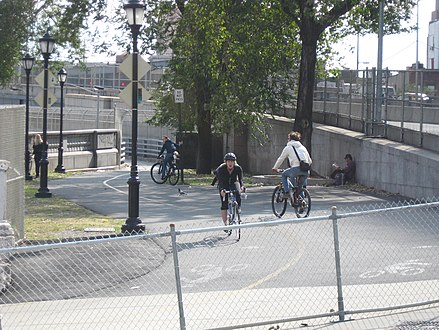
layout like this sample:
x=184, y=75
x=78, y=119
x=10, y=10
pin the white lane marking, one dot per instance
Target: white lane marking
x=407, y=268
x=107, y=184
x=210, y=272
x=114, y=188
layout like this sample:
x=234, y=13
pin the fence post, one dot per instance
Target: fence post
x=341, y=312
x=4, y=165
x=177, y=277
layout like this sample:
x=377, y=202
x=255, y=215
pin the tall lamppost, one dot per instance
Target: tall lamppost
x=135, y=10
x=62, y=77
x=28, y=63
x=46, y=45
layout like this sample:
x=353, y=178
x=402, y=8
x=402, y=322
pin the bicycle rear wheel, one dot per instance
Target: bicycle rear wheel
x=278, y=203
x=303, y=206
x=174, y=175
x=156, y=173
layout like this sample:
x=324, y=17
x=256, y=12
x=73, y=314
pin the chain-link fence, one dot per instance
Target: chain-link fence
x=12, y=146
x=346, y=265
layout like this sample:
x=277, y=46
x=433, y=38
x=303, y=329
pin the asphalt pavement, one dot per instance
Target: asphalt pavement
x=106, y=192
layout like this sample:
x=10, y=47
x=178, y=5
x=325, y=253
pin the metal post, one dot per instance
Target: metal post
x=27, y=153
x=341, y=311
x=43, y=191
x=177, y=277
x=133, y=224
x=379, y=88
x=60, y=167
x=98, y=110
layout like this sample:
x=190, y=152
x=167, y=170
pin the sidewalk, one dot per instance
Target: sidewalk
x=137, y=312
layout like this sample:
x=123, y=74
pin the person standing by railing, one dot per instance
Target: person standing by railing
x=38, y=148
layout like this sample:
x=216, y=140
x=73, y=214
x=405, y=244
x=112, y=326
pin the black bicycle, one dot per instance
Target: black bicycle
x=233, y=215
x=172, y=173
x=300, y=200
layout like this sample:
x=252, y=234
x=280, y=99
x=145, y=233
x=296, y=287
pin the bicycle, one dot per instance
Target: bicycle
x=233, y=214
x=172, y=174
x=301, y=200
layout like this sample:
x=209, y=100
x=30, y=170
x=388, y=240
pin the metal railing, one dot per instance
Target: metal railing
x=332, y=267
x=400, y=114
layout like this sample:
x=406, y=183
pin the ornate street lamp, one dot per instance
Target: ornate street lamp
x=28, y=63
x=135, y=11
x=62, y=77
x=46, y=45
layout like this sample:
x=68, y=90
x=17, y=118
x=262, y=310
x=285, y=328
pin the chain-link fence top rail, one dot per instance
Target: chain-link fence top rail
x=280, y=270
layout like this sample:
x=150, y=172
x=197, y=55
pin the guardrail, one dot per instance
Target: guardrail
x=147, y=148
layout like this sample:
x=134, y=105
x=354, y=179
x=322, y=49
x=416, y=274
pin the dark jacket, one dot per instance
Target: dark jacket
x=169, y=147
x=227, y=180
x=38, y=150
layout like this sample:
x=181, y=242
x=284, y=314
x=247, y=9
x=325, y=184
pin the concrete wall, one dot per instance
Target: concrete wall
x=381, y=163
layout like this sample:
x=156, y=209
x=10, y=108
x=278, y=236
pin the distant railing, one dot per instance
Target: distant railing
x=84, y=148
x=146, y=148
x=398, y=114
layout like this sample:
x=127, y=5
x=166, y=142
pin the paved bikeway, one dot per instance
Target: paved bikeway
x=105, y=192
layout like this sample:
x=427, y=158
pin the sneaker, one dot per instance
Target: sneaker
x=228, y=232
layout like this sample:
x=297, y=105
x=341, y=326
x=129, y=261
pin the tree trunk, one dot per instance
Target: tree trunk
x=303, y=122
x=204, y=126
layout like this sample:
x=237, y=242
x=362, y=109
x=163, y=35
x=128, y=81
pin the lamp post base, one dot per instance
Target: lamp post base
x=43, y=194
x=129, y=229
x=60, y=169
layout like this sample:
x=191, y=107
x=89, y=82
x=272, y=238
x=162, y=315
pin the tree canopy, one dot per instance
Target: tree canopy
x=318, y=18
x=23, y=22
x=238, y=60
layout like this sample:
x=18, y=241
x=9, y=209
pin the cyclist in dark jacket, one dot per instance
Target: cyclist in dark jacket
x=169, y=147
x=229, y=176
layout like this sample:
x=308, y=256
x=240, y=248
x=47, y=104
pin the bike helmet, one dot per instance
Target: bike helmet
x=229, y=156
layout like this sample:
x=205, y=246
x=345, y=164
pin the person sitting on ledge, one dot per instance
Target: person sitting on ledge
x=345, y=174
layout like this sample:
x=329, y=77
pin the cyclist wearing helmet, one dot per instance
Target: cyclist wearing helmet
x=229, y=176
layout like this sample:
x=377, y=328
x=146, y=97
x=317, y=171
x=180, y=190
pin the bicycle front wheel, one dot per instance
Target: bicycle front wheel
x=174, y=175
x=156, y=173
x=238, y=222
x=303, y=206
x=278, y=203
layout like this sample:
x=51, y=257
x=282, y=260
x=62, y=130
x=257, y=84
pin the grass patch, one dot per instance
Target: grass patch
x=57, y=217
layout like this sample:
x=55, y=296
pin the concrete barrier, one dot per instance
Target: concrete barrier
x=383, y=164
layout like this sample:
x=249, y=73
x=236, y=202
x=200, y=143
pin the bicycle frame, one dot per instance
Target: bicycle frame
x=233, y=216
x=300, y=201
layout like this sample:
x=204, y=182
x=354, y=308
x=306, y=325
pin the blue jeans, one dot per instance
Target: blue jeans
x=168, y=159
x=292, y=172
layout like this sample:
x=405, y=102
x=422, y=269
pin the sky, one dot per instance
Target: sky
x=399, y=51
